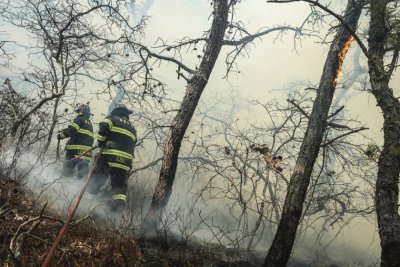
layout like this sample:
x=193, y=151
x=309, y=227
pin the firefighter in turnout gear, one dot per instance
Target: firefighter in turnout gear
x=80, y=134
x=117, y=139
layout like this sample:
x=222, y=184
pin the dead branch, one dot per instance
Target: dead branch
x=338, y=17
x=328, y=142
x=18, y=238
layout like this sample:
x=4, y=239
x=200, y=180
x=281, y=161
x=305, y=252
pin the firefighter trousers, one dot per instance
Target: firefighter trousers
x=102, y=171
x=69, y=166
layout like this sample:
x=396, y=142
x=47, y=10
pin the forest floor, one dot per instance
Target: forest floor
x=26, y=235
x=28, y=229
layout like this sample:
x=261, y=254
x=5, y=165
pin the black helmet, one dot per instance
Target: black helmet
x=122, y=107
x=83, y=109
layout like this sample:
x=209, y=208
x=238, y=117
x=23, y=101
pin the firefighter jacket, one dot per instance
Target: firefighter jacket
x=117, y=136
x=80, y=133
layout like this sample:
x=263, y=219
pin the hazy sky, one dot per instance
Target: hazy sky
x=271, y=64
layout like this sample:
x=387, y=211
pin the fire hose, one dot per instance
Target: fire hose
x=75, y=158
x=58, y=150
x=71, y=212
x=83, y=154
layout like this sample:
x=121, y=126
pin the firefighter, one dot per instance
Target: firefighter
x=117, y=139
x=80, y=134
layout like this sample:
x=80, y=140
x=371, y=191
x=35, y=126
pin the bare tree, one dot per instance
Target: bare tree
x=382, y=54
x=197, y=78
x=249, y=188
x=384, y=42
x=194, y=89
x=71, y=45
x=281, y=247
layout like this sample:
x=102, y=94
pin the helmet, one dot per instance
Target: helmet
x=122, y=107
x=83, y=109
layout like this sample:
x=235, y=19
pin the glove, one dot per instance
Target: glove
x=59, y=137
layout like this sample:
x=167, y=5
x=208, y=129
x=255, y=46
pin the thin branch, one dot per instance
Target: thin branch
x=250, y=38
x=338, y=17
x=180, y=64
x=332, y=124
x=343, y=135
x=38, y=105
x=393, y=63
x=336, y=112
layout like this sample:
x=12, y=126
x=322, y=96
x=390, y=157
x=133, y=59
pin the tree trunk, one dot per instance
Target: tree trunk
x=387, y=184
x=194, y=89
x=281, y=247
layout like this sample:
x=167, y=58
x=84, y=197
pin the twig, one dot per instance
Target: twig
x=343, y=135
x=338, y=17
x=18, y=238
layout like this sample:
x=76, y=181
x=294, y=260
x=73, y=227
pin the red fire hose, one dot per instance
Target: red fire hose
x=83, y=154
x=70, y=215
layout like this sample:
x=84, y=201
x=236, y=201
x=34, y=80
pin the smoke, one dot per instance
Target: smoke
x=140, y=9
x=42, y=177
x=215, y=222
x=187, y=215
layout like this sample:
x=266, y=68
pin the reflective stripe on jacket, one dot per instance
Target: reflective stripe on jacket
x=80, y=133
x=120, y=138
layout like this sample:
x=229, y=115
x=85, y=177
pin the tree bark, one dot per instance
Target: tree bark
x=281, y=247
x=387, y=184
x=180, y=123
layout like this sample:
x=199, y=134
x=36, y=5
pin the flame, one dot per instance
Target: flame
x=341, y=57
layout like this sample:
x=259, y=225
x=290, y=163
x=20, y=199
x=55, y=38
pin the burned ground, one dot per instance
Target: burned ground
x=27, y=231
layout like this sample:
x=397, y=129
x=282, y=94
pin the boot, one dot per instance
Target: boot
x=118, y=203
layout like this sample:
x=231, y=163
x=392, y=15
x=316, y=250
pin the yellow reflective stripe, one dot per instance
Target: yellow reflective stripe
x=110, y=124
x=118, y=153
x=118, y=165
x=76, y=126
x=87, y=132
x=86, y=157
x=123, y=131
x=119, y=197
x=101, y=138
x=78, y=147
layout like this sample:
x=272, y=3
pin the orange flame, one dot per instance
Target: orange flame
x=341, y=56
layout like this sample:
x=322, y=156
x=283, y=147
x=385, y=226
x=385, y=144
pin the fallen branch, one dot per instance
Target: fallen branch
x=17, y=240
